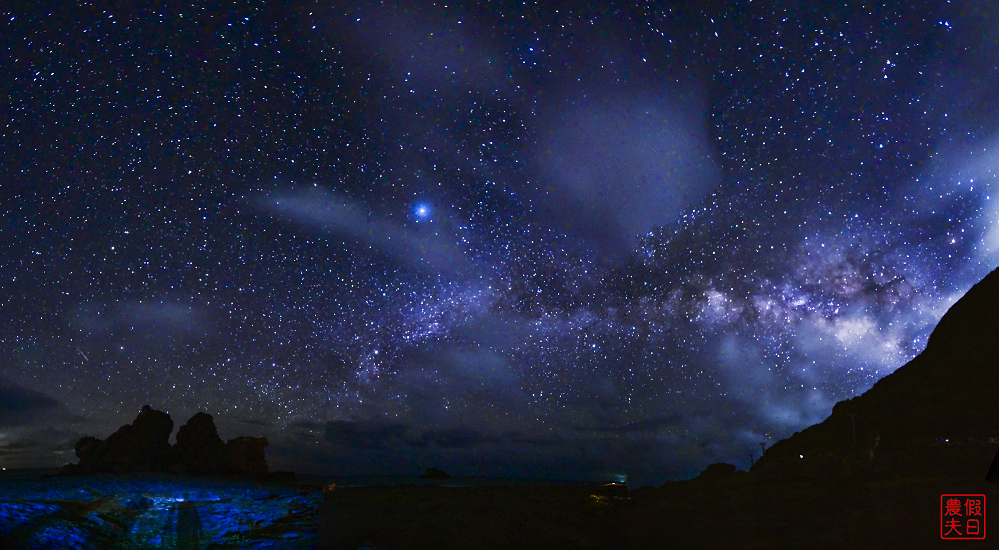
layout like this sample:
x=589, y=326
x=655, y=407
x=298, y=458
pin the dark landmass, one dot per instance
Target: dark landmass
x=391, y=518
x=934, y=416
x=740, y=513
x=434, y=473
x=869, y=476
x=144, y=446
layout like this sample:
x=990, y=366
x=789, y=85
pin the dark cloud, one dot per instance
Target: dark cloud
x=306, y=425
x=379, y=435
x=307, y=430
x=45, y=438
x=648, y=426
x=453, y=438
x=255, y=422
x=365, y=435
x=20, y=405
x=38, y=447
x=635, y=449
x=518, y=438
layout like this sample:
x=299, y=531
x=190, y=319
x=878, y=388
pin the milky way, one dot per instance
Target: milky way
x=527, y=239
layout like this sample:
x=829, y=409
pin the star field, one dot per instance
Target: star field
x=505, y=238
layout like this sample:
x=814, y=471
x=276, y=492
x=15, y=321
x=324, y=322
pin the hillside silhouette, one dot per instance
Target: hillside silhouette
x=934, y=416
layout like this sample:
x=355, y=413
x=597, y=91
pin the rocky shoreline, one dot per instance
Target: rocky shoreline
x=156, y=510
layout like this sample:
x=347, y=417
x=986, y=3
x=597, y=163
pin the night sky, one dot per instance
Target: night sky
x=563, y=240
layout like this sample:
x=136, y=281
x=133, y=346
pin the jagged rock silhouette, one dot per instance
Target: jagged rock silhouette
x=199, y=449
x=144, y=445
x=246, y=455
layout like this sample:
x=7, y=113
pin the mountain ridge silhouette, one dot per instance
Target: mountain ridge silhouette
x=937, y=415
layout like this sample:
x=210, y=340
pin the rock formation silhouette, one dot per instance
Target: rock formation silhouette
x=719, y=471
x=199, y=449
x=141, y=445
x=434, y=473
x=144, y=445
x=246, y=455
x=934, y=416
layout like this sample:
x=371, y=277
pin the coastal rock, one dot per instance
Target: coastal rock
x=89, y=449
x=199, y=449
x=246, y=455
x=142, y=445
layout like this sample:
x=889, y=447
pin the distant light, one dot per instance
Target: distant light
x=422, y=211
x=800, y=456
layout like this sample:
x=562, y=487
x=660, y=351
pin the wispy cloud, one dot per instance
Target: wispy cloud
x=432, y=250
x=19, y=405
x=143, y=320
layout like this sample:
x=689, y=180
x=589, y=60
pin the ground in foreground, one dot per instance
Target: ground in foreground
x=725, y=514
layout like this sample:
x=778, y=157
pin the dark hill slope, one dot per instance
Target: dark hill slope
x=933, y=416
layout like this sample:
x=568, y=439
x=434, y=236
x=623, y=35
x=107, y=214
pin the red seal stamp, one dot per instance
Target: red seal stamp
x=962, y=517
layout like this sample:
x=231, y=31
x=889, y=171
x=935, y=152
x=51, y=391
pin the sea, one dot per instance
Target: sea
x=455, y=481
x=323, y=480
x=25, y=473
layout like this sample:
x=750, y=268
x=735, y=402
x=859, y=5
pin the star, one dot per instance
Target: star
x=651, y=231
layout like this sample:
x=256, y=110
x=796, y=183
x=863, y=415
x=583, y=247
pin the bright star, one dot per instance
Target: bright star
x=422, y=211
